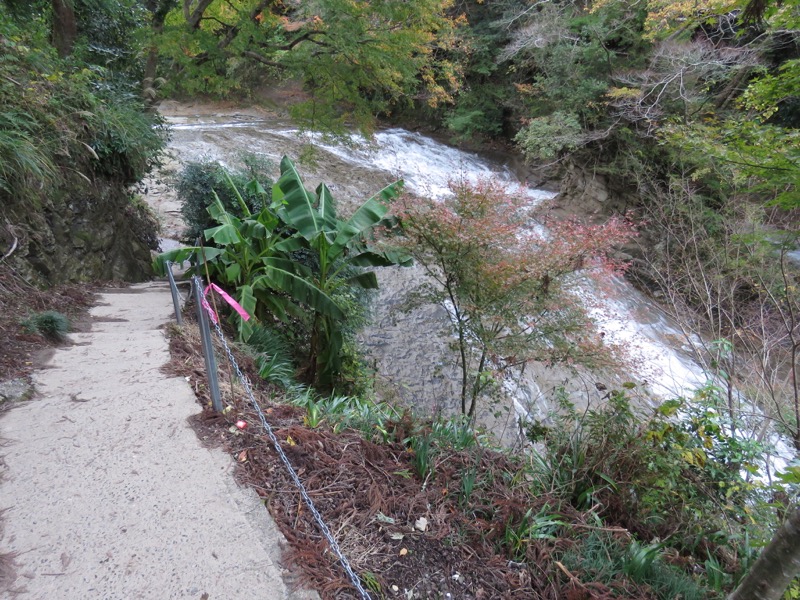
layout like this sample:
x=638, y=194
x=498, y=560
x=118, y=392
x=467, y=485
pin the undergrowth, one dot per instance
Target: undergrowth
x=606, y=504
x=50, y=324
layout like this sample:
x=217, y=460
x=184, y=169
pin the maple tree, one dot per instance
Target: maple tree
x=505, y=280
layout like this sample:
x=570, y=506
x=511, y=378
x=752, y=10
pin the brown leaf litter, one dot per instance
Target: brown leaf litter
x=371, y=498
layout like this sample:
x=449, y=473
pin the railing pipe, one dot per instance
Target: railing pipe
x=176, y=302
x=208, y=349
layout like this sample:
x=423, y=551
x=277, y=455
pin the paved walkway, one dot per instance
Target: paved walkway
x=109, y=494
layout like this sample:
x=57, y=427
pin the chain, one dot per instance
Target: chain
x=273, y=438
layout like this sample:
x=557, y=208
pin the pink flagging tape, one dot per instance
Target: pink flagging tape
x=225, y=296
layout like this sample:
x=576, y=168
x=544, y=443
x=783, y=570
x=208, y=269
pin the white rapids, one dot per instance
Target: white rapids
x=409, y=350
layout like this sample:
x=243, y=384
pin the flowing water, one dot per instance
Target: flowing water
x=410, y=350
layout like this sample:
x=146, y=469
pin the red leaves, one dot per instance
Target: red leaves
x=503, y=275
x=489, y=238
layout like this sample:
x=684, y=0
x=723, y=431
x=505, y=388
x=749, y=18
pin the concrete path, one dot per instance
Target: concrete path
x=109, y=493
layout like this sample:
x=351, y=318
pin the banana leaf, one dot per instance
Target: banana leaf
x=181, y=255
x=247, y=300
x=373, y=259
x=366, y=217
x=278, y=277
x=367, y=281
x=299, y=208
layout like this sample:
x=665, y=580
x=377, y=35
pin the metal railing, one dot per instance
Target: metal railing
x=205, y=316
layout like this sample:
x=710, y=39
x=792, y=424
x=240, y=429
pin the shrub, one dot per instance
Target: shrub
x=608, y=559
x=199, y=179
x=676, y=476
x=546, y=138
x=50, y=324
x=273, y=356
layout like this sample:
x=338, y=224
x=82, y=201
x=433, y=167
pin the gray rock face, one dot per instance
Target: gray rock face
x=101, y=235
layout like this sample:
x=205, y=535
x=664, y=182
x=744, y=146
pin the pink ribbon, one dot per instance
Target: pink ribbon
x=225, y=296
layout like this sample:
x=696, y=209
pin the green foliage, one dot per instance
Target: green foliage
x=355, y=60
x=793, y=592
x=111, y=34
x=743, y=155
x=565, y=58
x=20, y=157
x=273, y=354
x=675, y=476
x=295, y=253
x=544, y=525
x=337, y=247
x=454, y=432
x=478, y=112
x=603, y=558
x=423, y=456
x=60, y=118
x=198, y=181
x=127, y=140
x=51, y=324
x=70, y=131
x=468, y=479
x=340, y=412
x=547, y=138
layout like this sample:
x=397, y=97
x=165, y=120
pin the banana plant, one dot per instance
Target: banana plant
x=337, y=246
x=250, y=256
x=257, y=256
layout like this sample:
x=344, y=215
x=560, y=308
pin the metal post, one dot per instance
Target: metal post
x=208, y=350
x=176, y=303
x=200, y=257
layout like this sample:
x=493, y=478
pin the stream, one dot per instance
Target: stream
x=410, y=350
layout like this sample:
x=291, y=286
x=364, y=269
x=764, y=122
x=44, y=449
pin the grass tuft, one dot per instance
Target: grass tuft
x=51, y=324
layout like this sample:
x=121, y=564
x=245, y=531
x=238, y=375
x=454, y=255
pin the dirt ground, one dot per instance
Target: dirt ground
x=106, y=491
x=406, y=536
x=20, y=350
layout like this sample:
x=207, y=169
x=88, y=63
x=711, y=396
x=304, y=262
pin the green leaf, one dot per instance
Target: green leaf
x=298, y=209
x=224, y=235
x=291, y=244
x=242, y=204
x=290, y=265
x=326, y=209
x=253, y=230
x=248, y=302
x=366, y=217
x=300, y=290
x=791, y=475
x=268, y=219
x=277, y=197
x=255, y=188
x=233, y=272
x=181, y=255
x=367, y=281
x=670, y=407
x=372, y=259
x=219, y=213
x=278, y=306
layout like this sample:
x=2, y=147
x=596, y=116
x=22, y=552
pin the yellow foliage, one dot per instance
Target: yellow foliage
x=665, y=17
x=695, y=457
x=617, y=93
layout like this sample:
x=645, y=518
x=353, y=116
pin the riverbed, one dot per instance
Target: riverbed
x=411, y=350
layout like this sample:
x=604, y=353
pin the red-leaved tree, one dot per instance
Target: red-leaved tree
x=505, y=280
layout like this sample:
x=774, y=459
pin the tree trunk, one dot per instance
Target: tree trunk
x=159, y=9
x=777, y=566
x=65, y=28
